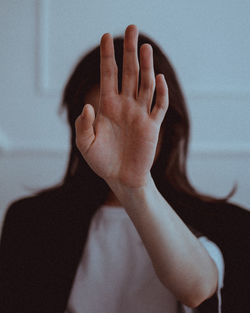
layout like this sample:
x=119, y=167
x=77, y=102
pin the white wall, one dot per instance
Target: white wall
x=208, y=43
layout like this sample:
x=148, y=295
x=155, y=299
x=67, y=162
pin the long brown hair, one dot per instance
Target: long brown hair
x=65, y=211
x=170, y=165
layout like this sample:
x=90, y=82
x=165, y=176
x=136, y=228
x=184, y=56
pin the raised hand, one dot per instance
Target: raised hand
x=119, y=143
x=119, y=140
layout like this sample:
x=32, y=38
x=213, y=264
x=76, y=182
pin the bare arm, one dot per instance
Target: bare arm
x=119, y=143
x=181, y=262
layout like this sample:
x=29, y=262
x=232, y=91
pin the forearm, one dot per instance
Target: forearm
x=119, y=140
x=180, y=261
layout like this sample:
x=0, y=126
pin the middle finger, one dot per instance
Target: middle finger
x=130, y=62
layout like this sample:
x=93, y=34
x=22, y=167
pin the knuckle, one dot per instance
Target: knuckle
x=108, y=72
x=77, y=142
x=106, y=98
x=115, y=69
x=131, y=70
x=161, y=103
x=77, y=122
x=152, y=85
x=148, y=85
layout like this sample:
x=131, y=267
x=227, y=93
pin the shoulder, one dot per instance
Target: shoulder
x=22, y=207
x=18, y=212
x=29, y=206
x=35, y=232
x=234, y=219
x=27, y=214
x=232, y=208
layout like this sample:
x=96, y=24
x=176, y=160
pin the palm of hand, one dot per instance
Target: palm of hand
x=119, y=142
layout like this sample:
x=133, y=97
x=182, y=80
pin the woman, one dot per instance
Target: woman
x=130, y=156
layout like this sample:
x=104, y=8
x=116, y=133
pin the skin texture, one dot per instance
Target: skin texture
x=117, y=135
x=93, y=97
x=122, y=142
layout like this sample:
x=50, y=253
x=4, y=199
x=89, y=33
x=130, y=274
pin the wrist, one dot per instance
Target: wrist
x=133, y=195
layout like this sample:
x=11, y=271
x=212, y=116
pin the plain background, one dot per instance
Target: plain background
x=208, y=43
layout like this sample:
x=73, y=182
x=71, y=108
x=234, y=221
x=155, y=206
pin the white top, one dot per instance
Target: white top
x=116, y=275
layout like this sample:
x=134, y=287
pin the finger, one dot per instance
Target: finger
x=147, y=85
x=108, y=67
x=161, y=103
x=84, y=128
x=130, y=69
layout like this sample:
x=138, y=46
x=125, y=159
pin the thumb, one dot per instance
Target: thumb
x=84, y=128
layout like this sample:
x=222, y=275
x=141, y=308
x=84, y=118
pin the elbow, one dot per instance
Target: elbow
x=199, y=295
x=193, y=302
x=193, y=291
x=195, y=295
x=202, y=290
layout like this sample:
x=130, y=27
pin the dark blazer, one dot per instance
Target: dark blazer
x=42, y=243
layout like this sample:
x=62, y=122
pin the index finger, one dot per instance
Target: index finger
x=108, y=67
